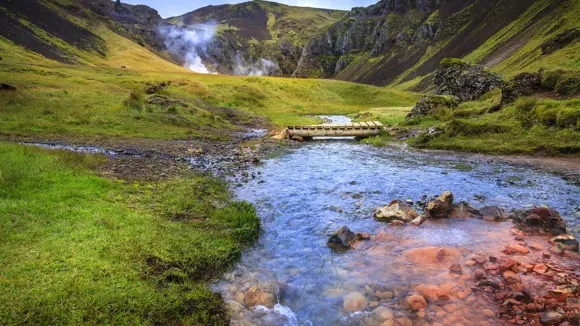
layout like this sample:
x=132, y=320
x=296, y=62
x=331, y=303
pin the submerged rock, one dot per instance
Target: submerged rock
x=539, y=220
x=396, y=211
x=342, y=239
x=354, y=302
x=416, y=302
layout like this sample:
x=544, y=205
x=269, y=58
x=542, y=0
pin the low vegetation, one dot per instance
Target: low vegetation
x=76, y=248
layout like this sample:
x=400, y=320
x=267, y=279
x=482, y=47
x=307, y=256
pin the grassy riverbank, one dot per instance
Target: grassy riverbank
x=76, y=248
x=531, y=125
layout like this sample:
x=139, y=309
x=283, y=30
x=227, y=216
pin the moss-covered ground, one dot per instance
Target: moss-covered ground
x=78, y=249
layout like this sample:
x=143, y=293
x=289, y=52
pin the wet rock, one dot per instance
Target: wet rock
x=382, y=314
x=284, y=134
x=440, y=207
x=396, y=211
x=551, y=318
x=465, y=210
x=416, y=302
x=342, y=239
x=432, y=292
x=456, y=269
x=363, y=236
x=511, y=278
x=515, y=248
x=354, y=302
x=7, y=87
x=539, y=220
x=493, y=213
x=297, y=138
x=465, y=80
x=419, y=220
x=255, y=296
x=540, y=269
x=566, y=242
x=430, y=104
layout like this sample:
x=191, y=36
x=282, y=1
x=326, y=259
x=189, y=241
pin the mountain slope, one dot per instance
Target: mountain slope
x=393, y=42
x=250, y=31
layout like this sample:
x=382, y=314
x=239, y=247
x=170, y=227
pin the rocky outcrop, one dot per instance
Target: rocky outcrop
x=560, y=41
x=430, y=104
x=465, y=80
x=524, y=84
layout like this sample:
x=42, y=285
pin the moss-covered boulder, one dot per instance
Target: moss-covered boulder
x=466, y=81
x=524, y=84
x=430, y=104
x=563, y=82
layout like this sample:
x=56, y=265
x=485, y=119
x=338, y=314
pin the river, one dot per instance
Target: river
x=304, y=194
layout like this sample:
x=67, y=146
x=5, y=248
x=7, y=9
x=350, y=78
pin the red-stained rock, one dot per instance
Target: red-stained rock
x=518, y=249
x=416, y=302
x=511, y=277
x=509, y=264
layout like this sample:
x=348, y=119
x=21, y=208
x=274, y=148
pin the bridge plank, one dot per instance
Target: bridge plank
x=380, y=125
x=366, y=125
x=372, y=125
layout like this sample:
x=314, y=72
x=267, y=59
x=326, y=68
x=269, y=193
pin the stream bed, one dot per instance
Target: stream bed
x=304, y=194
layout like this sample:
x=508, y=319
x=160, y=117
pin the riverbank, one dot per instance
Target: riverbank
x=134, y=249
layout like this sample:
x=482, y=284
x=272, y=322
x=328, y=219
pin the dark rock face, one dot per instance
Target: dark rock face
x=342, y=239
x=566, y=242
x=493, y=213
x=464, y=80
x=561, y=40
x=395, y=40
x=429, y=104
x=539, y=220
x=524, y=84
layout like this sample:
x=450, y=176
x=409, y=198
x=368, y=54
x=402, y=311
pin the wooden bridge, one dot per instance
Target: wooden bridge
x=358, y=129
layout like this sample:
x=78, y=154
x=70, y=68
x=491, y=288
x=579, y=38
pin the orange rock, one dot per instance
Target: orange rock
x=354, y=302
x=540, y=269
x=432, y=292
x=511, y=277
x=434, y=256
x=416, y=302
x=515, y=248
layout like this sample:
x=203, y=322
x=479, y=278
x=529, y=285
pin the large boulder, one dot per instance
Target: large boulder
x=539, y=220
x=342, y=239
x=396, y=211
x=465, y=80
x=440, y=207
x=524, y=84
x=430, y=104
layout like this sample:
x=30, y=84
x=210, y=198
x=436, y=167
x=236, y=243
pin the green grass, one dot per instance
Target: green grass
x=529, y=126
x=79, y=249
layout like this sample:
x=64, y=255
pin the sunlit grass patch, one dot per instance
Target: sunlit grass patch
x=76, y=248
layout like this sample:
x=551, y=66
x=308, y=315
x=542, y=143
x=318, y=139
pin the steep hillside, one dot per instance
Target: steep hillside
x=246, y=34
x=395, y=42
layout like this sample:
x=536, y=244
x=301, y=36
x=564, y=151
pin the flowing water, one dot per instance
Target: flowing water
x=306, y=193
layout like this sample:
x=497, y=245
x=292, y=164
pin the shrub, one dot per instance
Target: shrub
x=135, y=101
x=568, y=118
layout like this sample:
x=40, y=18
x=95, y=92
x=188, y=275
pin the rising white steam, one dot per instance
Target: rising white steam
x=261, y=67
x=189, y=41
x=192, y=45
